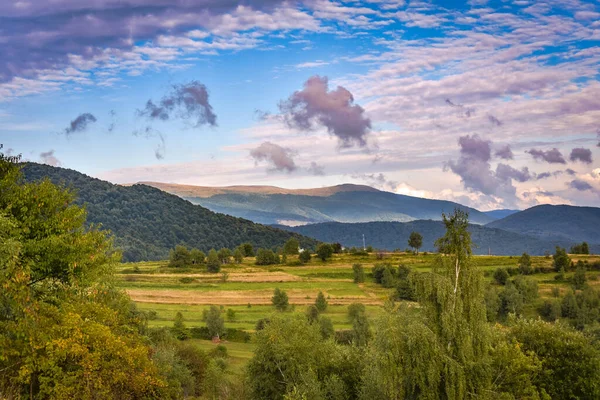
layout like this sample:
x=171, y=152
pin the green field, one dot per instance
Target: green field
x=247, y=289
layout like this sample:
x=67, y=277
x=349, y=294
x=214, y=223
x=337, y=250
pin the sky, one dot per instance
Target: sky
x=493, y=104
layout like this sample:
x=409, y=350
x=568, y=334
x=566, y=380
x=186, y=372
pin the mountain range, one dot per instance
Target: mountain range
x=148, y=222
x=341, y=203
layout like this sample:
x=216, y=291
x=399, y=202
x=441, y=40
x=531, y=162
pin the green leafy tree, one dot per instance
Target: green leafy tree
x=238, y=256
x=312, y=313
x=337, y=248
x=501, y=276
x=321, y=302
x=224, y=255
x=324, y=251
x=354, y=310
x=266, y=257
x=359, y=273
x=415, y=241
x=213, y=264
x=247, y=249
x=582, y=248
x=179, y=328
x=579, y=279
x=180, y=257
x=215, y=322
x=197, y=256
x=525, y=264
x=291, y=246
x=280, y=300
x=326, y=327
x=562, y=262
x=62, y=321
x=304, y=256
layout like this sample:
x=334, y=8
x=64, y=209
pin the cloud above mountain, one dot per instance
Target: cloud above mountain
x=279, y=158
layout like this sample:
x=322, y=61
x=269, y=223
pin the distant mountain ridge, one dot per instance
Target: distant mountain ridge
x=394, y=235
x=342, y=203
x=561, y=222
x=148, y=222
x=499, y=214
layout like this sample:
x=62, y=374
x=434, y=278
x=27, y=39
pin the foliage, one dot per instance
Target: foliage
x=65, y=331
x=525, y=264
x=238, y=256
x=324, y=251
x=280, y=300
x=358, y=272
x=312, y=314
x=291, y=246
x=214, y=321
x=415, y=240
x=571, y=364
x=224, y=255
x=197, y=256
x=179, y=329
x=266, y=257
x=248, y=249
x=321, y=302
x=213, y=264
x=562, y=262
x=304, y=256
x=501, y=276
x=379, y=271
x=579, y=279
x=582, y=248
x=180, y=257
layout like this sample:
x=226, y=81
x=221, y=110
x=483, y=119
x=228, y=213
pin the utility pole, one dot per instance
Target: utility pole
x=364, y=245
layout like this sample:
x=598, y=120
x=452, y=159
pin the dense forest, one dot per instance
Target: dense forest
x=148, y=222
x=394, y=235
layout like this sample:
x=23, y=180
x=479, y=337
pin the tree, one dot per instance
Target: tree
x=501, y=276
x=280, y=300
x=326, y=327
x=359, y=273
x=62, y=321
x=180, y=257
x=321, y=302
x=197, y=256
x=224, y=255
x=215, y=322
x=312, y=314
x=248, y=250
x=213, y=264
x=415, y=241
x=525, y=264
x=324, y=251
x=291, y=246
x=582, y=248
x=304, y=256
x=179, y=329
x=561, y=260
x=388, y=280
x=579, y=279
x=238, y=256
x=266, y=257
x=337, y=248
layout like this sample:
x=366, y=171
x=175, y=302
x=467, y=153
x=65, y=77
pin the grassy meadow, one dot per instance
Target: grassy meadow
x=247, y=289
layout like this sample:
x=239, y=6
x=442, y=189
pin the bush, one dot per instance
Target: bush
x=550, y=310
x=213, y=264
x=579, y=279
x=501, y=276
x=561, y=260
x=186, y=279
x=525, y=264
x=321, y=302
x=266, y=257
x=324, y=251
x=344, y=336
x=379, y=270
x=359, y=273
x=280, y=300
x=304, y=256
x=326, y=327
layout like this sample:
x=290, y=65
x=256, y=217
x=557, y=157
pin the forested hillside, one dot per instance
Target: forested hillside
x=148, y=222
x=560, y=222
x=394, y=235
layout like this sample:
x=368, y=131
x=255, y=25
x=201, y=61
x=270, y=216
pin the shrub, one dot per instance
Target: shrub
x=266, y=257
x=324, y=251
x=359, y=273
x=304, y=256
x=321, y=302
x=280, y=300
x=501, y=276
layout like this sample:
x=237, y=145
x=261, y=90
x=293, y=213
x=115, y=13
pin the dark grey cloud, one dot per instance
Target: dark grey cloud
x=280, y=158
x=504, y=152
x=189, y=102
x=149, y=133
x=49, y=158
x=570, y=172
x=315, y=105
x=463, y=111
x=494, y=121
x=580, y=185
x=505, y=172
x=45, y=34
x=476, y=173
x=581, y=154
x=316, y=169
x=112, y=125
x=553, y=156
x=80, y=123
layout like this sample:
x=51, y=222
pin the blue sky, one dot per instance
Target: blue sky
x=489, y=103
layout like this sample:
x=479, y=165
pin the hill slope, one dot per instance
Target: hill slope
x=393, y=235
x=342, y=203
x=562, y=222
x=498, y=214
x=147, y=222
